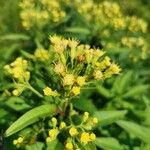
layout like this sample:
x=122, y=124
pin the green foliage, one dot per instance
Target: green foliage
x=31, y=117
x=108, y=143
x=135, y=129
x=108, y=117
x=37, y=108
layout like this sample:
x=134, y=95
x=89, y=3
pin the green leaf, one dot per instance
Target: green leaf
x=103, y=91
x=108, y=143
x=31, y=117
x=124, y=81
x=132, y=128
x=136, y=90
x=78, y=30
x=14, y=36
x=3, y=113
x=80, y=104
x=90, y=146
x=108, y=117
x=36, y=146
x=145, y=147
x=17, y=103
x=54, y=145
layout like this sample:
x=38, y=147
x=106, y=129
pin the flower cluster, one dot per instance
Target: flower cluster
x=18, y=142
x=49, y=92
x=136, y=43
x=76, y=65
x=76, y=134
x=73, y=66
x=112, y=22
x=136, y=24
x=18, y=70
x=41, y=54
x=39, y=13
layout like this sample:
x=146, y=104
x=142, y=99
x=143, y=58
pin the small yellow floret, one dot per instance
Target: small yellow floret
x=69, y=146
x=20, y=140
x=54, y=121
x=98, y=75
x=115, y=69
x=15, y=142
x=53, y=133
x=73, y=131
x=85, y=116
x=48, y=91
x=92, y=136
x=59, y=69
x=95, y=120
x=69, y=79
x=81, y=80
x=62, y=125
x=76, y=90
x=41, y=54
x=85, y=138
x=48, y=139
x=15, y=92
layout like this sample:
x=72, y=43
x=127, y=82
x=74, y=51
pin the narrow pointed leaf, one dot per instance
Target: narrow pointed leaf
x=108, y=117
x=139, y=131
x=31, y=117
x=140, y=89
x=108, y=143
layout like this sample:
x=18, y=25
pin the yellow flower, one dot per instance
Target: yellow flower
x=107, y=61
x=48, y=139
x=48, y=91
x=18, y=69
x=81, y=80
x=62, y=125
x=41, y=54
x=73, y=43
x=98, y=53
x=76, y=90
x=69, y=146
x=115, y=69
x=95, y=120
x=15, y=142
x=85, y=116
x=16, y=92
x=20, y=140
x=92, y=136
x=8, y=69
x=84, y=138
x=73, y=131
x=68, y=79
x=53, y=133
x=59, y=69
x=98, y=75
x=54, y=121
x=27, y=75
x=17, y=72
x=55, y=40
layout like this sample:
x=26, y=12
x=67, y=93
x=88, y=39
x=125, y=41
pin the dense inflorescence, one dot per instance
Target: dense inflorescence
x=40, y=13
x=110, y=20
x=74, y=66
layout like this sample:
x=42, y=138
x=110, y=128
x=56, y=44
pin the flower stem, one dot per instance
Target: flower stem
x=34, y=91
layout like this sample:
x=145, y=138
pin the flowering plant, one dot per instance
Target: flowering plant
x=68, y=67
x=62, y=93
